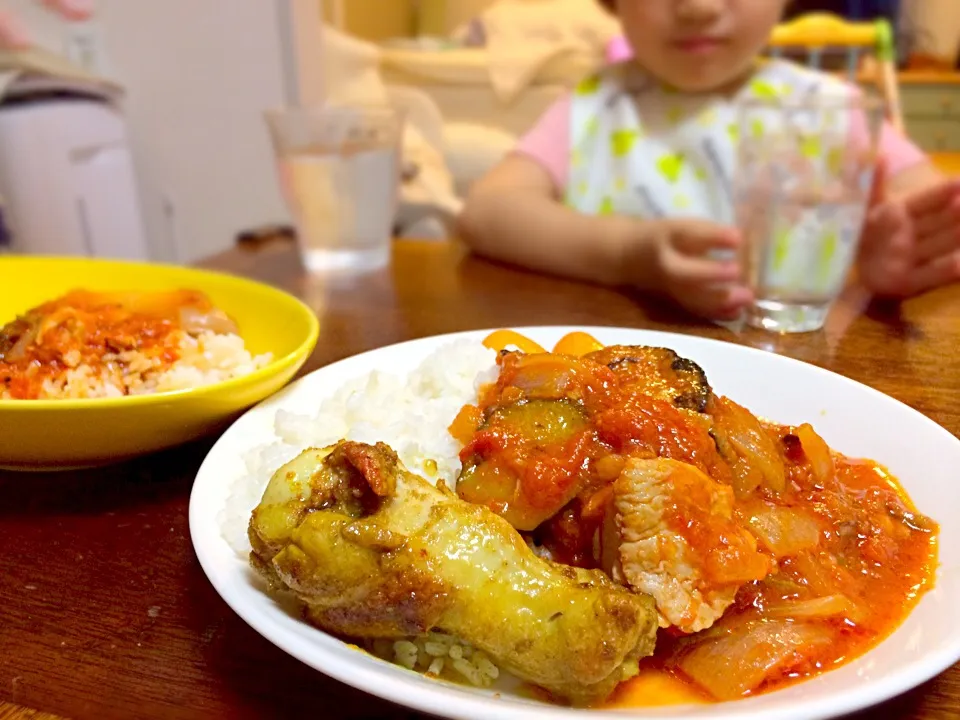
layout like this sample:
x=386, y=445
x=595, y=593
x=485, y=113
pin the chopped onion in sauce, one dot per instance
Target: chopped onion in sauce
x=817, y=452
x=729, y=666
x=752, y=453
x=784, y=531
x=815, y=609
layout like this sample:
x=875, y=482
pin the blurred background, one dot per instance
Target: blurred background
x=185, y=85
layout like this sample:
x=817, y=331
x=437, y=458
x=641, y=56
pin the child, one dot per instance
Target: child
x=563, y=203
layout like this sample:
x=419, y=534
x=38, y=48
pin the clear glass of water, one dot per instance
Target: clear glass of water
x=804, y=177
x=340, y=174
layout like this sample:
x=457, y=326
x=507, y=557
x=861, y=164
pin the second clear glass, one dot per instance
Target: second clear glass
x=340, y=174
x=804, y=178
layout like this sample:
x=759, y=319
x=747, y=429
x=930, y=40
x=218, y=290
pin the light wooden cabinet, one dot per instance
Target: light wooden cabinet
x=931, y=107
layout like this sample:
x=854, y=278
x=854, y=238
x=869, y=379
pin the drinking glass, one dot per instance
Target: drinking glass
x=802, y=188
x=340, y=174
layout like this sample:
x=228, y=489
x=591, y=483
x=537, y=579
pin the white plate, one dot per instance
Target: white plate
x=853, y=418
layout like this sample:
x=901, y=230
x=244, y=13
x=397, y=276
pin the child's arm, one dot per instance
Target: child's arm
x=515, y=214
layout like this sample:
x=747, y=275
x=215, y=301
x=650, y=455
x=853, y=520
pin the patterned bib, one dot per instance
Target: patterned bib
x=639, y=148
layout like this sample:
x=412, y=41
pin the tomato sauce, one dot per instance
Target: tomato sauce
x=92, y=330
x=880, y=565
x=734, y=558
x=844, y=555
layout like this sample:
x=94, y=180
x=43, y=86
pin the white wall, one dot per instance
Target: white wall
x=936, y=24
x=199, y=74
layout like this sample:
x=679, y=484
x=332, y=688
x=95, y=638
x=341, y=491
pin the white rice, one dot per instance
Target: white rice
x=439, y=655
x=204, y=359
x=410, y=412
x=207, y=359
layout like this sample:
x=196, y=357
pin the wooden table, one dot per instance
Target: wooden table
x=104, y=610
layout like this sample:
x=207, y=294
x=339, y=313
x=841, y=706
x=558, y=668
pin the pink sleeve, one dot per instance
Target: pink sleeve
x=893, y=147
x=548, y=142
x=898, y=151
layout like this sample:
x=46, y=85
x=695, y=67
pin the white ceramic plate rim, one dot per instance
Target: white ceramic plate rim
x=379, y=678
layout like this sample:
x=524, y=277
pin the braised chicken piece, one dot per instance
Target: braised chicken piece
x=374, y=551
x=671, y=532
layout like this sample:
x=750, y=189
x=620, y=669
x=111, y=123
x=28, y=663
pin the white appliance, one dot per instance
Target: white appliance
x=67, y=180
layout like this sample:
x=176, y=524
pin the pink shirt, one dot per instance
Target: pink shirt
x=548, y=143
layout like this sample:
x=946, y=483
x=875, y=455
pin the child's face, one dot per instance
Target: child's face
x=698, y=45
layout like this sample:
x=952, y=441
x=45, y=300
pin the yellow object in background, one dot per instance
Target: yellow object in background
x=817, y=32
x=826, y=30
x=61, y=434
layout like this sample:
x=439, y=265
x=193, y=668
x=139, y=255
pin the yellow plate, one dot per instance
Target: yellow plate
x=60, y=434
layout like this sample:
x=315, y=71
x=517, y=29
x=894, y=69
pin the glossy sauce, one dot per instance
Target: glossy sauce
x=855, y=561
x=93, y=329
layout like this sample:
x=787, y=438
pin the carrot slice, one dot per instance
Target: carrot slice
x=502, y=339
x=577, y=344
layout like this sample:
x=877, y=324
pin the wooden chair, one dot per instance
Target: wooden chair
x=823, y=35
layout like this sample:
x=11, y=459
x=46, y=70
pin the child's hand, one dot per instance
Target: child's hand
x=911, y=245
x=690, y=271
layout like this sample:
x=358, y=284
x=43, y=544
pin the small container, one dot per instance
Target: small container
x=804, y=178
x=340, y=173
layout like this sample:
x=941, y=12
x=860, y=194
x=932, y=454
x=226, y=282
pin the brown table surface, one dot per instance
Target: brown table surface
x=105, y=612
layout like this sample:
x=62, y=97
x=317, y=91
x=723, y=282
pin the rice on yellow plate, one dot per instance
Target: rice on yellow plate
x=182, y=352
